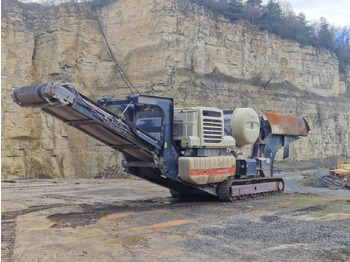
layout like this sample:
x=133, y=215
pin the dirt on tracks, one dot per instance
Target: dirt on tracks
x=128, y=220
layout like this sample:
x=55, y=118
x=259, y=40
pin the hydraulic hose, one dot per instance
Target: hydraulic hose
x=331, y=182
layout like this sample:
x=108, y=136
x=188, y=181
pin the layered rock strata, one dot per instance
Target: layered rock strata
x=167, y=48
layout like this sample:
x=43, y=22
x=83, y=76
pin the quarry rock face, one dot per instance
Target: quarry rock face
x=167, y=48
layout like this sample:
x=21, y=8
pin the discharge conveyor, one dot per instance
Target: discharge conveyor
x=65, y=103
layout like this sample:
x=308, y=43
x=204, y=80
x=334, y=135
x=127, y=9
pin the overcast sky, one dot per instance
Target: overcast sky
x=337, y=12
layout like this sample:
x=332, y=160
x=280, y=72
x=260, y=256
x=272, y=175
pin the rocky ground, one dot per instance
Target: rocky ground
x=133, y=220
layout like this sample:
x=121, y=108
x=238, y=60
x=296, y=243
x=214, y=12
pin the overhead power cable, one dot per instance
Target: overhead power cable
x=117, y=65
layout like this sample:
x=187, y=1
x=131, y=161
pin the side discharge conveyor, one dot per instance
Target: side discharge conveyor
x=192, y=151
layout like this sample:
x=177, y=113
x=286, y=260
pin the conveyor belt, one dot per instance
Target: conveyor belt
x=65, y=103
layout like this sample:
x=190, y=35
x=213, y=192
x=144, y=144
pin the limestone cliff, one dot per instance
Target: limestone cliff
x=167, y=47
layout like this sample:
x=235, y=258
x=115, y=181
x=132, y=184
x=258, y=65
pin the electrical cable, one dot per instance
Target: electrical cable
x=119, y=68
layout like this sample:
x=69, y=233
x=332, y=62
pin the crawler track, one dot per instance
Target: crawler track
x=231, y=190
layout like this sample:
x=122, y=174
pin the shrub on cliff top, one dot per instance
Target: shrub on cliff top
x=284, y=22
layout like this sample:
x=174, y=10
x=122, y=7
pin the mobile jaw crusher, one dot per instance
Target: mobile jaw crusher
x=191, y=151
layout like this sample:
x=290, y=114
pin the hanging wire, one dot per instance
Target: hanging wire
x=119, y=68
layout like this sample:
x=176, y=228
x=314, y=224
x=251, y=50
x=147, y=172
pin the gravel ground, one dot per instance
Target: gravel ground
x=133, y=220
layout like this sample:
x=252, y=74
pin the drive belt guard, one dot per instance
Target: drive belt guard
x=287, y=125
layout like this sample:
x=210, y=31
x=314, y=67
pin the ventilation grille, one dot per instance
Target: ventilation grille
x=212, y=131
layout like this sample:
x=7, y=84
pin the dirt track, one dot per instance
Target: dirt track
x=126, y=220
